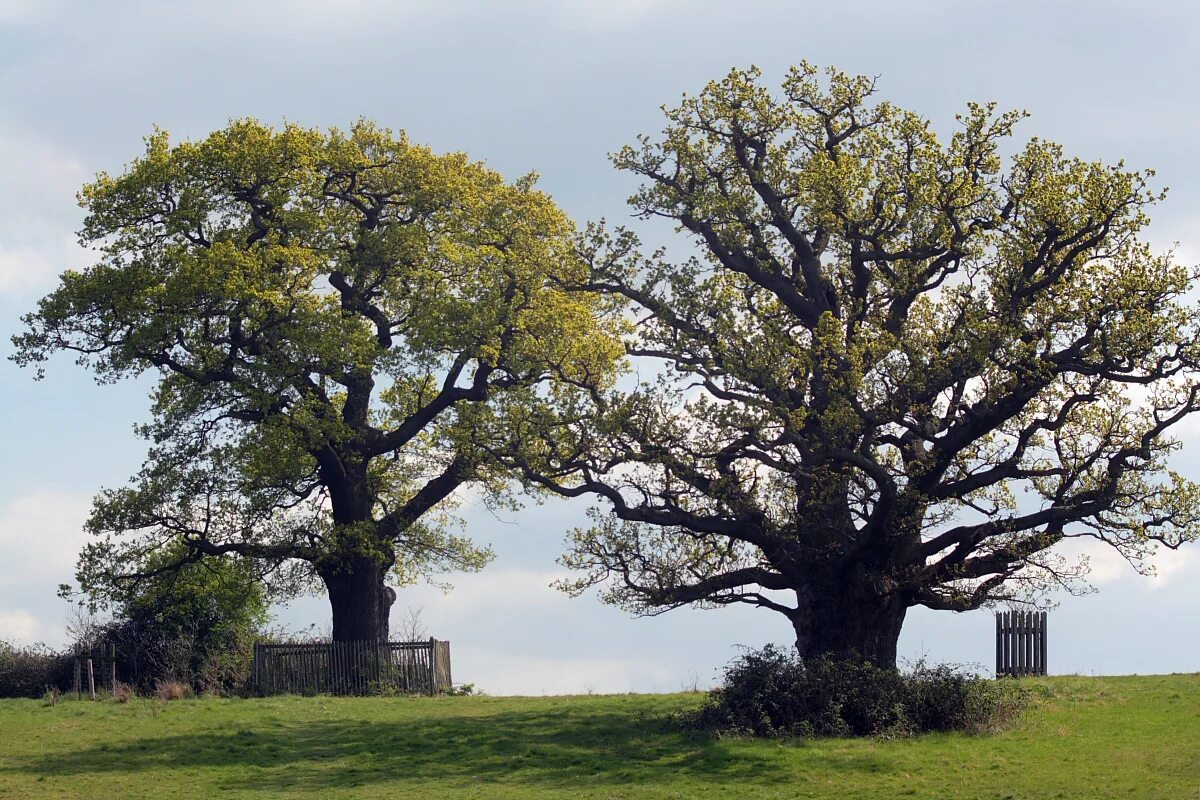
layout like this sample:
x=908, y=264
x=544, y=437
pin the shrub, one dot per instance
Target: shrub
x=172, y=690
x=771, y=693
x=196, y=625
x=123, y=692
x=31, y=671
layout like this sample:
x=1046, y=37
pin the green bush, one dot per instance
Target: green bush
x=32, y=671
x=209, y=658
x=771, y=693
x=194, y=625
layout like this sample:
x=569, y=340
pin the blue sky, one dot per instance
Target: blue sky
x=552, y=87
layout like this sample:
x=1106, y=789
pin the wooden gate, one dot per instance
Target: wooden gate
x=1021, y=643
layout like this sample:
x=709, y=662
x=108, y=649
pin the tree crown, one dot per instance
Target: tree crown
x=335, y=318
x=902, y=362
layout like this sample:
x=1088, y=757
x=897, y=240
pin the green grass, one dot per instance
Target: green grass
x=1130, y=737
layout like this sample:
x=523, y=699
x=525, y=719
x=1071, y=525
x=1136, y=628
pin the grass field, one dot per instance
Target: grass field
x=1129, y=737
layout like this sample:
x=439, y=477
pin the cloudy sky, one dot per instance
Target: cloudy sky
x=550, y=86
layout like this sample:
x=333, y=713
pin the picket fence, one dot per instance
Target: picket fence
x=353, y=668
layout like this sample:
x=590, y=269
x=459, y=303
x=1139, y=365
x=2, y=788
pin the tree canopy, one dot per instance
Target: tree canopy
x=901, y=370
x=335, y=318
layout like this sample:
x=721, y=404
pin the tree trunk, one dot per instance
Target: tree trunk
x=840, y=623
x=360, y=600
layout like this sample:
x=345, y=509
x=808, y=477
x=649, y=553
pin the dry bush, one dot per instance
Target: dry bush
x=123, y=692
x=172, y=690
x=408, y=626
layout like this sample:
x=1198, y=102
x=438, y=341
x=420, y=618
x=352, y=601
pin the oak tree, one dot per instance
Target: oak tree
x=334, y=318
x=901, y=370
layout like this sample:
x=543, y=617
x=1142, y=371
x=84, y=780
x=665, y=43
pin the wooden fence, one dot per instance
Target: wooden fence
x=352, y=668
x=1021, y=643
x=96, y=671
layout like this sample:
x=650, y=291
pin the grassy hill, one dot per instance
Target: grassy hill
x=1127, y=737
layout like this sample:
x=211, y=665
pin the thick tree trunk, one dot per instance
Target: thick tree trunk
x=360, y=600
x=359, y=596
x=840, y=623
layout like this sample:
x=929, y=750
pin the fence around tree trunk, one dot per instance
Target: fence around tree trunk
x=1020, y=643
x=352, y=668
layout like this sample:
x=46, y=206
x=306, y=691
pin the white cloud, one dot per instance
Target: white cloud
x=26, y=267
x=512, y=634
x=40, y=179
x=41, y=535
x=18, y=626
x=23, y=267
x=509, y=588
x=1173, y=565
x=1107, y=566
x=38, y=212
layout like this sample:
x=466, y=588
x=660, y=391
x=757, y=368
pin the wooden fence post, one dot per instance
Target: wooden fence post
x=1042, y=636
x=1022, y=656
x=1013, y=666
x=999, y=643
x=91, y=680
x=1025, y=641
x=78, y=679
x=112, y=664
x=433, y=665
x=1019, y=642
x=1036, y=635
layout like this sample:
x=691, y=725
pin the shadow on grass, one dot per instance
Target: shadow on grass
x=543, y=748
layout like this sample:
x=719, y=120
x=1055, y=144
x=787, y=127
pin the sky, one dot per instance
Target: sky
x=550, y=86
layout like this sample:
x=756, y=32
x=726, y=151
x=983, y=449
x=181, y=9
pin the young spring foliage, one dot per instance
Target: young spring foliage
x=902, y=370
x=335, y=318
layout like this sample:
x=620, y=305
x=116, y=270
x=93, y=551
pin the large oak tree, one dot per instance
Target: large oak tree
x=900, y=372
x=334, y=319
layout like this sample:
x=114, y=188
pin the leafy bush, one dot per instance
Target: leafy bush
x=195, y=625
x=32, y=671
x=771, y=693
